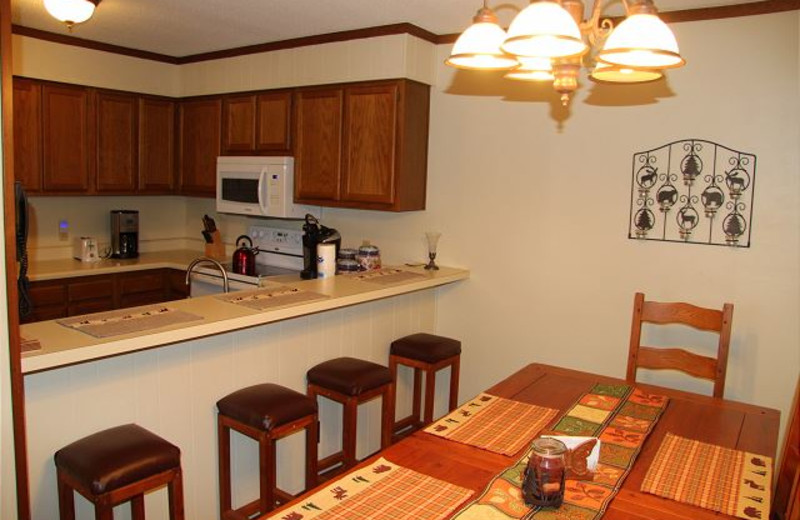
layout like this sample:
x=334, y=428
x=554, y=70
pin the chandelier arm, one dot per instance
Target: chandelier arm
x=595, y=28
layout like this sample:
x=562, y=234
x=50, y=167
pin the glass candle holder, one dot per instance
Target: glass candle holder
x=543, y=483
x=433, y=241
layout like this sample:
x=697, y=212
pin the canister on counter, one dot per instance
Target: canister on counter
x=347, y=253
x=346, y=266
x=369, y=258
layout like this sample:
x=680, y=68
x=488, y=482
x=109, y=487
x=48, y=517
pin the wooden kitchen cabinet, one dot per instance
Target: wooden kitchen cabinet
x=66, y=138
x=156, y=145
x=199, y=128
x=257, y=123
x=363, y=145
x=117, y=142
x=28, y=134
x=318, y=145
x=62, y=297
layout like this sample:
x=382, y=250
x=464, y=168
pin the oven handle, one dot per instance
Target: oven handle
x=262, y=181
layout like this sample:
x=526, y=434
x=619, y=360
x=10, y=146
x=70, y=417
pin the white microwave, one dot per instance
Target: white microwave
x=259, y=187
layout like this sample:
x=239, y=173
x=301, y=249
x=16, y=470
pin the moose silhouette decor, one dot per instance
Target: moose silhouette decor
x=692, y=191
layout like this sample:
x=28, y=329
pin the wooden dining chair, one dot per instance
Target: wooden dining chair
x=674, y=358
x=786, y=499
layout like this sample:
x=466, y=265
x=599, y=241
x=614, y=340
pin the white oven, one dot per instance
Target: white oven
x=259, y=187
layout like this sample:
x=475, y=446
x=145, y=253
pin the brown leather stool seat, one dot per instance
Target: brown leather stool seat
x=427, y=353
x=265, y=413
x=116, y=465
x=352, y=381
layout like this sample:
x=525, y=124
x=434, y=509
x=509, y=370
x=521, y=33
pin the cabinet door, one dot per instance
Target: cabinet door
x=200, y=145
x=318, y=144
x=66, y=138
x=48, y=301
x=370, y=127
x=117, y=142
x=238, y=124
x=273, y=122
x=141, y=288
x=156, y=145
x=28, y=134
x=91, y=294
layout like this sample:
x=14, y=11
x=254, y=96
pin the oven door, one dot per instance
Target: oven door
x=206, y=284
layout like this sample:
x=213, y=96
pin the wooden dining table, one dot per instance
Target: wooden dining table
x=725, y=423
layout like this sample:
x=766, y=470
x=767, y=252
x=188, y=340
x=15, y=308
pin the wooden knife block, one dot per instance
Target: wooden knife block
x=216, y=249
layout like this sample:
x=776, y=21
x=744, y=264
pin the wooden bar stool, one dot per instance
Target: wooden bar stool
x=115, y=466
x=265, y=413
x=425, y=353
x=351, y=381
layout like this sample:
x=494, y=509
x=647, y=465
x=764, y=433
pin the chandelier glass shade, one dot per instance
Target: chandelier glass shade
x=71, y=12
x=636, y=51
x=642, y=40
x=478, y=48
x=544, y=30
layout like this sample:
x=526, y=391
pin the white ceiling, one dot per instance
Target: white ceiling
x=185, y=27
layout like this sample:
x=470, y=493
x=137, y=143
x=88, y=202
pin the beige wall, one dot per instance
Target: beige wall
x=535, y=202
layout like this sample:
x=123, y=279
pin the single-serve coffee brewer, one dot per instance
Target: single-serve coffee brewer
x=124, y=233
x=315, y=234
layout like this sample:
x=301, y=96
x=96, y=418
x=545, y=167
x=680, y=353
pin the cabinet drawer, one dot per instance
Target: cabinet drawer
x=90, y=306
x=48, y=293
x=147, y=281
x=141, y=298
x=42, y=313
x=96, y=287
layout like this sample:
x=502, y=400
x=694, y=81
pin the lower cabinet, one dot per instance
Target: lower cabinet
x=64, y=297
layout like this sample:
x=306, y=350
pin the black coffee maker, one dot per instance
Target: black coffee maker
x=124, y=233
x=315, y=234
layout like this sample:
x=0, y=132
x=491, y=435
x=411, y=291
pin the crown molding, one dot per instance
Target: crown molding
x=685, y=15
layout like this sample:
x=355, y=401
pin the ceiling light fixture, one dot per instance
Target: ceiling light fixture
x=71, y=12
x=636, y=51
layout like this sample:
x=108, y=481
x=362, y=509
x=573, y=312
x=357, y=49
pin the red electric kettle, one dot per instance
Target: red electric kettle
x=244, y=258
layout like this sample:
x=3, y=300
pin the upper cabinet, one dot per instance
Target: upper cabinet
x=156, y=145
x=66, y=138
x=199, y=127
x=257, y=123
x=362, y=145
x=117, y=142
x=79, y=140
x=28, y=134
x=356, y=145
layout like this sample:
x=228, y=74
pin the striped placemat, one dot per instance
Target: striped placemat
x=380, y=491
x=265, y=299
x=128, y=321
x=387, y=276
x=493, y=423
x=729, y=481
x=621, y=416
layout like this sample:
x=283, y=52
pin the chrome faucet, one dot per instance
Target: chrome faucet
x=206, y=260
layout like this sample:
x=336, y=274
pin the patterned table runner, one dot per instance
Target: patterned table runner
x=621, y=416
x=493, y=423
x=264, y=299
x=729, y=481
x=116, y=323
x=388, y=276
x=381, y=491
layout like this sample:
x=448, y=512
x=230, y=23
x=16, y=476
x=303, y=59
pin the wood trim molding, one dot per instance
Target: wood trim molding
x=65, y=39
x=9, y=225
x=686, y=15
x=357, y=34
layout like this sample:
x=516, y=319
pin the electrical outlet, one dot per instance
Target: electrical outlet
x=63, y=230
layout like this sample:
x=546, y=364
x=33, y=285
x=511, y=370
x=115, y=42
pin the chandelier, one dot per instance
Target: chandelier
x=71, y=12
x=550, y=41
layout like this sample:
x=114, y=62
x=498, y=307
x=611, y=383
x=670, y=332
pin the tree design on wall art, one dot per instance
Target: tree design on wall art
x=693, y=191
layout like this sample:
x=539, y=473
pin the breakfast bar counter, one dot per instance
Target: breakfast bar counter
x=62, y=345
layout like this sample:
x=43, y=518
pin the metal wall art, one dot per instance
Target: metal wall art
x=693, y=191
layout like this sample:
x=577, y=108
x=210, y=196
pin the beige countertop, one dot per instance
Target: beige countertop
x=65, y=346
x=69, y=267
